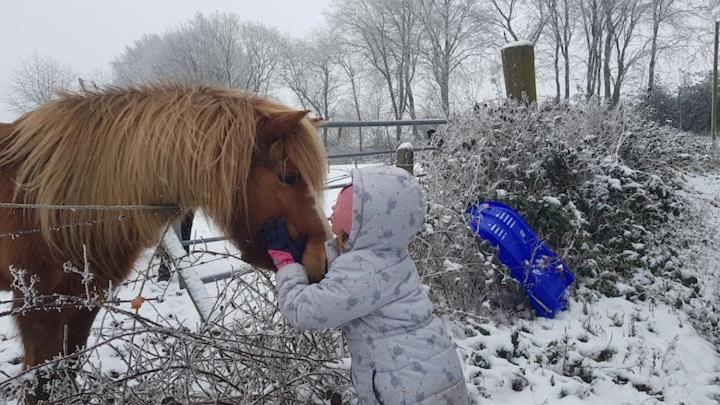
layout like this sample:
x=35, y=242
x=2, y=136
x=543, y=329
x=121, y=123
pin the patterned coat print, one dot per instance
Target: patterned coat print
x=401, y=353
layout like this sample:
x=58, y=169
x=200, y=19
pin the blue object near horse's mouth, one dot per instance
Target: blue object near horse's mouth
x=543, y=275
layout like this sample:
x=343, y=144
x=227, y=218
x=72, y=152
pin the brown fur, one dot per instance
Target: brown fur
x=195, y=148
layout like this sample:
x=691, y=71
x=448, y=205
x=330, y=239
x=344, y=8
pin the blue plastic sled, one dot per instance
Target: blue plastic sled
x=543, y=275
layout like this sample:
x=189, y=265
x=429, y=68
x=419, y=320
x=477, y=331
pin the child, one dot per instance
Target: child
x=401, y=353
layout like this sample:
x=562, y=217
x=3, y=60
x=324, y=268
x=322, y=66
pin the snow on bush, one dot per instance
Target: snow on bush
x=607, y=190
x=598, y=185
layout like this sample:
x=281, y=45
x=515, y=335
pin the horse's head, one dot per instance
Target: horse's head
x=286, y=179
x=241, y=158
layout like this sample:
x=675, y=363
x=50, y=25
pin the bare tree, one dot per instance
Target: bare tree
x=668, y=15
x=660, y=10
x=218, y=49
x=37, y=81
x=262, y=47
x=453, y=32
x=507, y=13
x=138, y=62
x=205, y=50
x=561, y=17
x=312, y=72
x=611, y=20
x=352, y=69
x=622, y=18
x=386, y=33
x=593, y=20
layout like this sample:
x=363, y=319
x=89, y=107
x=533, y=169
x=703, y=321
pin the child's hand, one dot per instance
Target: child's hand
x=341, y=242
x=280, y=246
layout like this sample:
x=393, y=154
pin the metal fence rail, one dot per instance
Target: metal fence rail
x=383, y=123
x=382, y=152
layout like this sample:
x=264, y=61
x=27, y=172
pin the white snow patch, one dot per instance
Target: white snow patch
x=405, y=145
x=451, y=266
x=552, y=201
x=615, y=184
x=518, y=43
x=611, y=351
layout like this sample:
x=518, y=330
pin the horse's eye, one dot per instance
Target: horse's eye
x=288, y=178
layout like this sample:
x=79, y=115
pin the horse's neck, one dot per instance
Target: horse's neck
x=6, y=131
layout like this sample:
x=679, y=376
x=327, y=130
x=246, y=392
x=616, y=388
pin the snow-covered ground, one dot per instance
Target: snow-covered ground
x=608, y=352
x=611, y=351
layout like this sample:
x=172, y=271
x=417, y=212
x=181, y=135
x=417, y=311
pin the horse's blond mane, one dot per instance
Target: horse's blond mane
x=191, y=147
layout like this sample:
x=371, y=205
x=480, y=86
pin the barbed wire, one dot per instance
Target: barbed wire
x=88, y=207
x=16, y=234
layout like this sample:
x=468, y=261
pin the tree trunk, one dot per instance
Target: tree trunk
x=606, y=65
x=556, y=62
x=566, y=50
x=590, y=79
x=411, y=110
x=567, y=74
x=445, y=96
x=616, y=90
x=653, y=54
x=598, y=81
x=356, y=101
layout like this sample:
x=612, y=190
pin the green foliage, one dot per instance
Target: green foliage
x=688, y=108
x=598, y=185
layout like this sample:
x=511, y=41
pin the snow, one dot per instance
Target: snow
x=615, y=184
x=630, y=354
x=518, y=43
x=452, y=266
x=610, y=350
x=552, y=201
x=405, y=145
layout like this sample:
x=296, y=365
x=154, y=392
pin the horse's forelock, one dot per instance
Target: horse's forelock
x=302, y=148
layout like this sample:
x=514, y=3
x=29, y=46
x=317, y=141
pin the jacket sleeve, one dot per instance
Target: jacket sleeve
x=349, y=291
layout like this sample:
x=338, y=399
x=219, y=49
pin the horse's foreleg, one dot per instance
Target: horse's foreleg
x=78, y=324
x=47, y=334
x=41, y=335
x=40, y=332
x=76, y=330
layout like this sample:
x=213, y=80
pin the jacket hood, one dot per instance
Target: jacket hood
x=388, y=208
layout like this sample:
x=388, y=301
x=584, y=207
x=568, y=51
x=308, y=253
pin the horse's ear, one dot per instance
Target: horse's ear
x=317, y=121
x=276, y=124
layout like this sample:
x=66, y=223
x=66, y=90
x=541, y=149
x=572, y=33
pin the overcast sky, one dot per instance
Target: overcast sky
x=88, y=34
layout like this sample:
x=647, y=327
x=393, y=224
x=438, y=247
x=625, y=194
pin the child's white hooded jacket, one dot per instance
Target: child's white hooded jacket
x=401, y=353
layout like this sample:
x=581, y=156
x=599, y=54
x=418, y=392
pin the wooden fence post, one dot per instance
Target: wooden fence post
x=518, y=59
x=404, y=157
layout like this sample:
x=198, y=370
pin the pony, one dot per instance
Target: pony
x=90, y=180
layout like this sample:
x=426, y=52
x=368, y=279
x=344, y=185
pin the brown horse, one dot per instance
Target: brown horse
x=240, y=158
